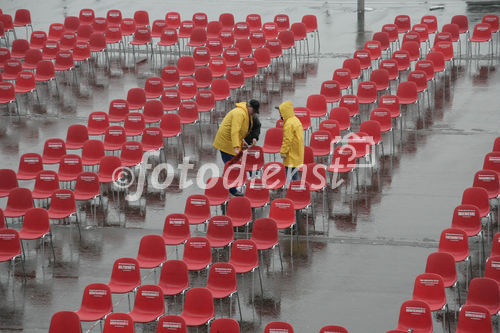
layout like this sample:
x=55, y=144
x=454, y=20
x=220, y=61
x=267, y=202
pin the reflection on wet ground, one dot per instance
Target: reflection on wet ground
x=362, y=250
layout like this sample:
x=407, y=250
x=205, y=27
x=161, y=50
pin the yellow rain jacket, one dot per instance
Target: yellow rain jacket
x=233, y=129
x=293, y=137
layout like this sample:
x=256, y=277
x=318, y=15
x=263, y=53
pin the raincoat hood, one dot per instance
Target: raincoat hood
x=242, y=105
x=286, y=110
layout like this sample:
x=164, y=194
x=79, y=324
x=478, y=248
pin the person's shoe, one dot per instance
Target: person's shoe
x=237, y=194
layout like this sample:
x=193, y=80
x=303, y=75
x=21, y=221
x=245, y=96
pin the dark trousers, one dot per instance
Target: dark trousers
x=292, y=174
x=226, y=158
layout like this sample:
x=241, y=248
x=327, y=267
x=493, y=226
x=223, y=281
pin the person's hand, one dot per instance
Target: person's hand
x=254, y=142
x=236, y=150
x=283, y=156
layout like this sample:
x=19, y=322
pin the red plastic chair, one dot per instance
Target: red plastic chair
x=171, y=99
x=283, y=212
x=92, y=152
x=198, y=307
x=151, y=252
x=317, y=106
x=84, y=32
x=186, y=66
x=265, y=235
x=466, y=218
x=367, y=92
x=220, y=231
x=407, y=93
x=383, y=117
x=403, y=23
x=53, y=150
x=244, y=257
x=197, y=253
x=65, y=321
x=420, y=79
x=186, y=28
x=30, y=164
x=215, y=191
x=170, y=76
x=392, y=31
x=489, y=180
x=231, y=56
x=214, y=28
x=257, y=39
x=239, y=210
x=201, y=56
x=381, y=79
x=98, y=123
x=141, y=18
x=331, y=90
x=278, y=326
x=214, y=46
x=253, y=158
x=197, y=209
x=125, y=276
x=114, y=17
x=128, y=27
x=274, y=175
x=62, y=204
x=200, y=20
x=153, y=87
x=153, y=111
x=241, y=30
x=19, y=48
x=227, y=21
x=8, y=181
x=173, y=20
x=176, y=229
x=492, y=268
x=187, y=88
x=429, y=288
x=10, y=247
x=87, y=186
x=478, y=197
x=174, y=278
x=100, y=24
x=431, y=22
x=257, y=193
x=391, y=66
x=118, y=323
x=136, y=98
x=343, y=77
x=110, y=169
x=383, y=38
x=70, y=167
x=11, y=68
x=272, y=140
x=114, y=138
x=484, y=292
x=402, y=57
x=343, y=160
x=443, y=264
x=96, y=302
x=321, y=143
x=333, y=328
x=427, y=67
x=391, y=102
x=374, y=48
x=46, y=183
x=68, y=41
x=341, y=115
x=222, y=283
x=473, y=318
x=333, y=127
x=415, y=315
x=226, y=325
x=364, y=57
x=152, y=139
x=149, y=304
x=492, y=161
x=197, y=38
x=354, y=66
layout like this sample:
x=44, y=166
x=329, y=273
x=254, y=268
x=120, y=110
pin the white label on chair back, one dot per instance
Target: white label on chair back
x=68, y=36
x=81, y=46
x=170, y=71
x=220, y=223
x=415, y=310
x=345, y=152
x=254, y=153
x=418, y=75
x=5, y=87
x=47, y=177
x=475, y=315
x=3, y=52
x=55, y=145
x=119, y=105
x=320, y=137
x=256, y=186
x=232, y=52
x=172, y=16
x=268, y=27
x=401, y=56
x=331, y=85
x=31, y=160
x=98, y=292
x=63, y=195
x=217, y=62
x=189, y=106
x=350, y=100
x=169, y=33
x=115, y=132
x=278, y=330
x=127, y=267
x=152, y=132
x=12, y=63
x=380, y=113
x=494, y=159
x=258, y=34
x=114, y=14
x=390, y=28
x=64, y=55
x=373, y=46
x=495, y=264
x=281, y=19
x=362, y=55
x=118, y=323
x=88, y=13
x=443, y=37
x=150, y=293
x=187, y=83
x=38, y=35
x=88, y=178
x=368, y=86
x=274, y=43
x=453, y=237
x=223, y=270
x=188, y=25
x=486, y=178
x=389, y=64
x=298, y=188
x=205, y=95
x=202, y=52
x=402, y=19
x=143, y=31
x=199, y=17
x=425, y=65
x=171, y=94
x=177, y=221
x=241, y=26
x=71, y=161
x=198, y=202
x=329, y=125
x=51, y=45
x=300, y=113
x=134, y=118
x=429, y=282
x=248, y=62
x=340, y=73
x=283, y=205
x=483, y=28
x=198, y=245
x=419, y=29
x=155, y=82
x=252, y=18
x=57, y=27
x=132, y=147
x=214, y=42
x=244, y=247
x=444, y=46
x=411, y=37
x=7, y=236
x=466, y=212
x=389, y=101
x=171, y=324
x=428, y=20
x=225, y=33
x=358, y=140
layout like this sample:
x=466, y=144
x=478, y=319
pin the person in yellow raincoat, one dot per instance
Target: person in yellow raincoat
x=234, y=128
x=292, y=147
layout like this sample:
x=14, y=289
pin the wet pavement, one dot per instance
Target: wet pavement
x=361, y=257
